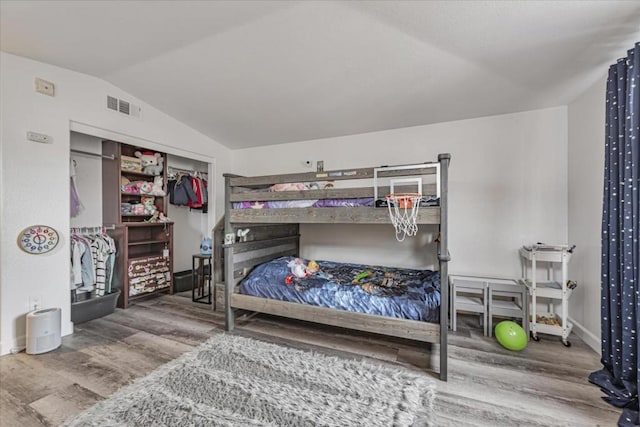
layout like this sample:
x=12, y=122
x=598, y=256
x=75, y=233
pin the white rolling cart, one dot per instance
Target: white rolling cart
x=551, y=290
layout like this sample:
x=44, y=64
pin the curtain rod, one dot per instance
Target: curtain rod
x=87, y=153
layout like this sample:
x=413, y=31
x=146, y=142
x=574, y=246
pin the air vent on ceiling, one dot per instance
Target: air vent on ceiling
x=123, y=107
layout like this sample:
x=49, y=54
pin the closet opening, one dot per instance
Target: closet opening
x=132, y=235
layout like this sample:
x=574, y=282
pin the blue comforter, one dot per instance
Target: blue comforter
x=384, y=291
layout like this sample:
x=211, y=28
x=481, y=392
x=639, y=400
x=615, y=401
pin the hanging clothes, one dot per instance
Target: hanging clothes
x=189, y=190
x=196, y=185
x=92, y=261
x=76, y=204
x=181, y=191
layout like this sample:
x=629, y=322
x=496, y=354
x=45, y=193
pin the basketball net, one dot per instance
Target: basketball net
x=403, y=211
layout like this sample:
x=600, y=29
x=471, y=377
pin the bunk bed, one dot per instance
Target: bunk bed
x=275, y=235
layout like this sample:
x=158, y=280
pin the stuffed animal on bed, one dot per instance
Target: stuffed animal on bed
x=298, y=269
x=319, y=185
x=152, y=163
x=301, y=271
x=289, y=186
x=312, y=267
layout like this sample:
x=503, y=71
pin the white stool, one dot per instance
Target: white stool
x=516, y=306
x=474, y=299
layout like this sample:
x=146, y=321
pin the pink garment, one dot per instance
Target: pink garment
x=76, y=204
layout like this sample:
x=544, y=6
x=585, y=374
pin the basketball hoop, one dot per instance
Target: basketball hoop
x=403, y=211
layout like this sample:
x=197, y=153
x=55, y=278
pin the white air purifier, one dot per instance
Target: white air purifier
x=43, y=330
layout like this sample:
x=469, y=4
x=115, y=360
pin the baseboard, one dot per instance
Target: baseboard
x=19, y=343
x=587, y=336
x=16, y=345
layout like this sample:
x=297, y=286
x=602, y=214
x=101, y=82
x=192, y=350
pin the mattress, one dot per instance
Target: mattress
x=323, y=203
x=383, y=291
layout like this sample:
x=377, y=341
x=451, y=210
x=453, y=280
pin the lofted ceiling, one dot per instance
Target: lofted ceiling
x=250, y=73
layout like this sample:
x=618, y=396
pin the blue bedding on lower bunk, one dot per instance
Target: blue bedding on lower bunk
x=384, y=291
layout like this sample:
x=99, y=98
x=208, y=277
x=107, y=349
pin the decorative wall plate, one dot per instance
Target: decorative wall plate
x=38, y=239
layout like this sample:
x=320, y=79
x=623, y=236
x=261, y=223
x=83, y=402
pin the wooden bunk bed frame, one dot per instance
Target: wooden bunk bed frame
x=275, y=233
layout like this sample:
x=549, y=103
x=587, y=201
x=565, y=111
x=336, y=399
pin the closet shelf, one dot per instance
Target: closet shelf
x=148, y=242
x=141, y=194
x=132, y=173
x=136, y=215
x=145, y=224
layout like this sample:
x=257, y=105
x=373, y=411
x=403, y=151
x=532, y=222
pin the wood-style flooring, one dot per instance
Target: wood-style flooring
x=544, y=385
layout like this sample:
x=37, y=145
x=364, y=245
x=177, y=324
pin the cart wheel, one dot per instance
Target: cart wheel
x=566, y=343
x=535, y=337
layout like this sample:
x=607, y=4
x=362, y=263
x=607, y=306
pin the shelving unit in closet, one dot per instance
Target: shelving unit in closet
x=144, y=264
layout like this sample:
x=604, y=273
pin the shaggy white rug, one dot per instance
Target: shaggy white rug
x=236, y=381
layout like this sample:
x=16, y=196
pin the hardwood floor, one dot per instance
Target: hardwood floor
x=545, y=385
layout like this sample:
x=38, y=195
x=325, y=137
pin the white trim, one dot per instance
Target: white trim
x=99, y=132
x=587, y=336
x=16, y=345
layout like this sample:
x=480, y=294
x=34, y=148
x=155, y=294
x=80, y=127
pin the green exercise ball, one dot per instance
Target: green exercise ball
x=511, y=336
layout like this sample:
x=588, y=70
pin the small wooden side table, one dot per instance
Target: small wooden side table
x=201, y=270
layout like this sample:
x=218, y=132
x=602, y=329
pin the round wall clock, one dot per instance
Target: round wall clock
x=38, y=239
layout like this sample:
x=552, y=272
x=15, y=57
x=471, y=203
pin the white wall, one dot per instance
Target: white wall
x=189, y=225
x=508, y=187
x=586, y=177
x=88, y=179
x=35, y=177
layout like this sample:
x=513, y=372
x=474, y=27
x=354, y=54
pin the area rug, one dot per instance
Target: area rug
x=236, y=381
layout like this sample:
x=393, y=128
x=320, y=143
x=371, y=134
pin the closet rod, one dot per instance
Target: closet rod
x=172, y=169
x=87, y=153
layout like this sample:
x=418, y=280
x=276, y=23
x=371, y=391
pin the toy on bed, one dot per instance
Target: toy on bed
x=303, y=276
x=298, y=186
x=319, y=185
x=152, y=163
x=288, y=186
x=298, y=269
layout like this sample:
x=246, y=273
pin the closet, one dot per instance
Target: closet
x=93, y=251
x=116, y=196
x=191, y=223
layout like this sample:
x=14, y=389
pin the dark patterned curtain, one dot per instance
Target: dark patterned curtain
x=620, y=250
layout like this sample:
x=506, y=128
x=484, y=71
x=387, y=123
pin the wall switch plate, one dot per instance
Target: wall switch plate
x=39, y=137
x=44, y=87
